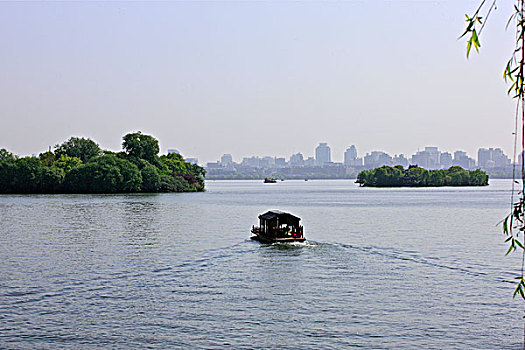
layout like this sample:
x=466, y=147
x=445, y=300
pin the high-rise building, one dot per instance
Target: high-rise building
x=296, y=160
x=267, y=162
x=428, y=159
x=400, y=160
x=350, y=155
x=463, y=160
x=377, y=159
x=226, y=159
x=500, y=159
x=484, y=155
x=310, y=161
x=445, y=159
x=492, y=158
x=322, y=154
x=280, y=162
x=254, y=162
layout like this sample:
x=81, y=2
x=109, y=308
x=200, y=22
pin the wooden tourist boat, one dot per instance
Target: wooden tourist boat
x=278, y=227
x=270, y=180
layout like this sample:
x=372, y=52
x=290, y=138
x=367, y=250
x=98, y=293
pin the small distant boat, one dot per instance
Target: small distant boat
x=305, y=179
x=276, y=226
x=270, y=180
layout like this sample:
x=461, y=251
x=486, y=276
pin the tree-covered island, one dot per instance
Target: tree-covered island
x=414, y=176
x=79, y=165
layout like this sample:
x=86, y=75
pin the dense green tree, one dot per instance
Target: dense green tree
x=416, y=176
x=479, y=178
x=175, y=184
x=105, y=174
x=29, y=175
x=365, y=178
x=387, y=176
x=51, y=179
x=437, y=178
x=47, y=158
x=173, y=164
x=67, y=163
x=457, y=176
x=151, y=180
x=5, y=155
x=140, y=146
x=101, y=171
x=7, y=175
x=82, y=148
x=198, y=173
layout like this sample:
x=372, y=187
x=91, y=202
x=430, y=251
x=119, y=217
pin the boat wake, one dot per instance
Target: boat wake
x=414, y=257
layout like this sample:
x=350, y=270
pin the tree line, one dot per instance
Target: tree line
x=414, y=176
x=79, y=165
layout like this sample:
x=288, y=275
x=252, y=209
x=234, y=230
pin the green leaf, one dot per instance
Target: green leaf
x=475, y=39
x=469, y=45
x=519, y=244
x=516, y=291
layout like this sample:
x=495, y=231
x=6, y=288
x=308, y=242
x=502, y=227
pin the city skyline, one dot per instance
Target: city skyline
x=428, y=157
x=253, y=77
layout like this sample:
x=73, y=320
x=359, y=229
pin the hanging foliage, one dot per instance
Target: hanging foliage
x=514, y=223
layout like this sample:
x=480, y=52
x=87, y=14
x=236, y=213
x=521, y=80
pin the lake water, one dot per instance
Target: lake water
x=382, y=269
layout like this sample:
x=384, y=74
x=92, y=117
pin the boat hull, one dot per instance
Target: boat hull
x=266, y=239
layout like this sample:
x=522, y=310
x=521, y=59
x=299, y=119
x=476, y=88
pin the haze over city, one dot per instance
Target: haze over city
x=253, y=78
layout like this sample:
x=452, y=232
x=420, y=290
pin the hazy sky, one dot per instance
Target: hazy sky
x=253, y=78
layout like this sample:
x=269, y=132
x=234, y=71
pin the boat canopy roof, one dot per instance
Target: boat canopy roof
x=281, y=216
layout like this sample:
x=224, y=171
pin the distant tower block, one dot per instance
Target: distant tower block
x=350, y=155
x=226, y=159
x=322, y=154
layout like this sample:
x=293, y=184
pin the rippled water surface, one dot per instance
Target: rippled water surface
x=382, y=269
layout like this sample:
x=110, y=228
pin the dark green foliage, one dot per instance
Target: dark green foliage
x=139, y=169
x=7, y=175
x=67, y=163
x=105, y=174
x=28, y=175
x=47, y=158
x=51, y=179
x=437, y=178
x=82, y=148
x=5, y=155
x=173, y=164
x=478, y=178
x=151, y=180
x=387, y=176
x=175, y=184
x=140, y=146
